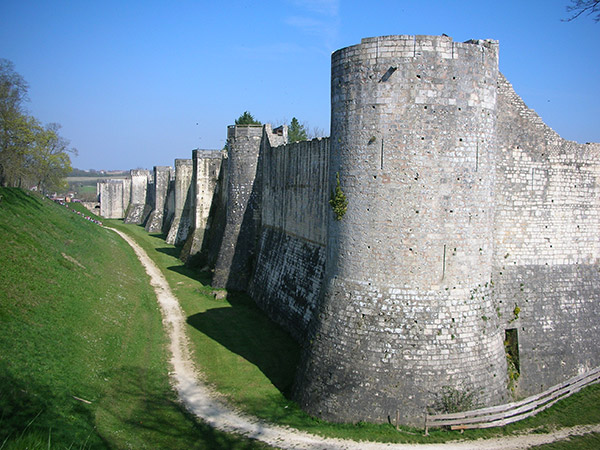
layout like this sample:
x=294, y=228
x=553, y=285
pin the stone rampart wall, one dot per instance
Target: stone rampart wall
x=142, y=197
x=291, y=250
x=111, y=197
x=206, y=170
x=162, y=179
x=183, y=198
x=233, y=266
x=547, y=251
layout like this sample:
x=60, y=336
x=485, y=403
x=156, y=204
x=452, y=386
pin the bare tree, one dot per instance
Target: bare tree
x=579, y=7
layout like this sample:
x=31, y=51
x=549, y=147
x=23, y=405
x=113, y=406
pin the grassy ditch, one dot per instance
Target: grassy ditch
x=83, y=360
x=252, y=361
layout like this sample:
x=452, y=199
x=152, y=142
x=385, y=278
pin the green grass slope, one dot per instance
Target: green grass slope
x=83, y=360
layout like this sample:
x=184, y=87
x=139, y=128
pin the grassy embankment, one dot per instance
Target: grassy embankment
x=252, y=361
x=83, y=362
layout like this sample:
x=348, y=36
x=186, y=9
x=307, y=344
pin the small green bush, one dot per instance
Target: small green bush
x=338, y=200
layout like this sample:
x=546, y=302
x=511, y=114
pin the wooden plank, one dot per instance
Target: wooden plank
x=476, y=412
x=512, y=412
x=512, y=405
x=515, y=418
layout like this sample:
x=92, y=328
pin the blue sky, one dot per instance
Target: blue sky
x=140, y=83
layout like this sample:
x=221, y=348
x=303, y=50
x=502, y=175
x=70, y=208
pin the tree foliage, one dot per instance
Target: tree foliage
x=30, y=153
x=338, y=200
x=579, y=7
x=14, y=125
x=297, y=131
x=49, y=162
x=246, y=119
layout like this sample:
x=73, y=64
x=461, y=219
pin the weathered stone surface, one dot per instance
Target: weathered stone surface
x=408, y=272
x=111, y=197
x=180, y=223
x=546, y=245
x=169, y=204
x=141, y=197
x=234, y=262
x=240, y=221
x=206, y=169
x=162, y=178
x=291, y=251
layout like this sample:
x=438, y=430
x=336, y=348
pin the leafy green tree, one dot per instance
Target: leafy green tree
x=246, y=119
x=48, y=160
x=296, y=131
x=15, y=132
x=29, y=152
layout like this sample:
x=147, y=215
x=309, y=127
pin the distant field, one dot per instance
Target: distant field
x=85, y=187
x=88, y=180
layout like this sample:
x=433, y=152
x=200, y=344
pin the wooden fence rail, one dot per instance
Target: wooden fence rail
x=501, y=415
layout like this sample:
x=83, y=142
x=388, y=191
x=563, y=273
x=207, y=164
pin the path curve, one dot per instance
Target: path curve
x=207, y=406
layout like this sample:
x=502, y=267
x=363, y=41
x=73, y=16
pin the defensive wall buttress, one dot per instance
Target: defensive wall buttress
x=468, y=257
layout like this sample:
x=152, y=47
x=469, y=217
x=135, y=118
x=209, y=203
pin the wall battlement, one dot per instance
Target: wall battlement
x=414, y=46
x=470, y=223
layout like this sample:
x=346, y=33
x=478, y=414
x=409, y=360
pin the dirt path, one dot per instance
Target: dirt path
x=207, y=405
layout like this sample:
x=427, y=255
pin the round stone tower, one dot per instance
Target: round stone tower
x=407, y=311
x=234, y=263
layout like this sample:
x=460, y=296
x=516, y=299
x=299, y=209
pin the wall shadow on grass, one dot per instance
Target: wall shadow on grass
x=245, y=330
x=171, y=251
x=203, y=277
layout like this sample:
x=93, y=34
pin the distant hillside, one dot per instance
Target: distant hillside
x=82, y=183
x=97, y=173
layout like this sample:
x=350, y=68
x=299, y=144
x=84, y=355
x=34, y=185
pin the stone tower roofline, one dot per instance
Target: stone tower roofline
x=412, y=46
x=238, y=131
x=207, y=153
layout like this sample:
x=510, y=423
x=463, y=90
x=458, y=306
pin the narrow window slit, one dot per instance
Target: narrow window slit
x=388, y=74
x=511, y=346
x=444, y=263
